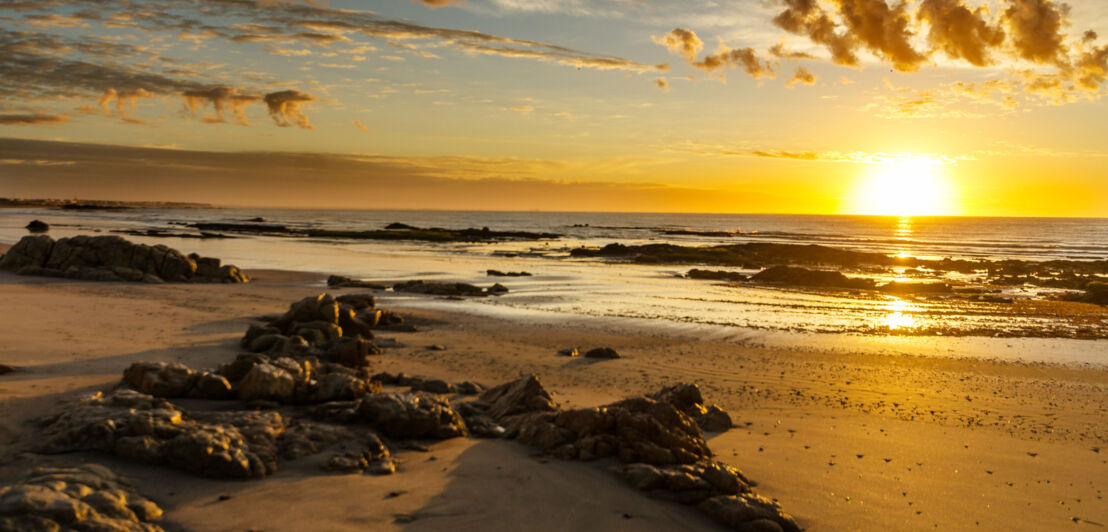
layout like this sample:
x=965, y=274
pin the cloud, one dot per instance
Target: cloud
x=434, y=4
x=284, y=107
x=883, y=30
x=1036, y=29
x=33, y=119
x=802, y=75
x=747, y=58
x=662, y=83
x=524, y=109
x=682, y=42
x=959, y=32
x=361, y=126
x=220, y=98
x=807, y=17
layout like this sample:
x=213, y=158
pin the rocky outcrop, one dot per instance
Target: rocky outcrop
x=498, y=273
x=602, y=353
x=411, y=415
x=88, y=497
x=152, y=430
x=688, y=399
x=523, y=396
x=423, y=384
x=38, y=226
x=715, y=275
x=338, y=281
x=333, y=329
x=442, y=289
x=113, y=259
x=796, y=276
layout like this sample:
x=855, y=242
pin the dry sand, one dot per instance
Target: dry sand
x=844, y=442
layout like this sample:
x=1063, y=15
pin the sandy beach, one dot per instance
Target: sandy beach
x=842, y=441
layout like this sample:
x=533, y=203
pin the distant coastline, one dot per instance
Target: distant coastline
x=84, y=204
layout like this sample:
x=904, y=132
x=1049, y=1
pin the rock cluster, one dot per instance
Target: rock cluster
x=113, y=258
x=661, y=445
x=337, y=330
x=152, y=430
x=715, y=275
x=498, y=273
x=422, y=384
x=688, y=399
x=448, y=289
x=796, y=276
x=338, y=281
x=89, y=497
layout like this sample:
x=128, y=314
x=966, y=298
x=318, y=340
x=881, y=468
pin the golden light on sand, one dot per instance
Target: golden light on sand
x=899, y=315
x=904, y=186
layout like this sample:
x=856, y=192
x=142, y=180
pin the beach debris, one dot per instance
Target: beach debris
x=338, y=281
x=602, y=352
x=113, y=259
x=38, y=226
x=498, y=273
x=86, y=497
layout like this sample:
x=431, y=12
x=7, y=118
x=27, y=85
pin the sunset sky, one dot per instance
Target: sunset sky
x=967, y=107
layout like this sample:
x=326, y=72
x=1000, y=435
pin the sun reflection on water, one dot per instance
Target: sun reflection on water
x=899, y=315
x=903, y=235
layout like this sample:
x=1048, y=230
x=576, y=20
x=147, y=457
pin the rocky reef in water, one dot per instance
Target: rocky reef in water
x=113, y=259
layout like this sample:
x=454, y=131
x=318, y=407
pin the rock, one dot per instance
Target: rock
x=351, y=325
x=685, y=483
x=439, y=289
x=795, y=276
x=436, y=347
x=498, y=273
x=338, y=281
x=497, y=289
x=602, y=352
x=265, y=381
x=38, y=226
x=1096, y=292
x=522, y=396
x=88, y=497
x=468, y=388
x=432, y=386
x=748, y=512
x=6, y=369
x=111, y=259
x=160, y=379
x=715, y=275
x=212, y=386
x=30, y=251
x=351, y=352
x=357, y=301
x=340, y=387
x=151, y=430
x=570, y=352
x=688, y=399
x=237, y=369
x=411, y=415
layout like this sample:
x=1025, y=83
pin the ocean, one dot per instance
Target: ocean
x=564, y=287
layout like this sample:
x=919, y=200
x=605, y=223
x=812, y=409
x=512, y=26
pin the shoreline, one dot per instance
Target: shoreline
x=838, y=438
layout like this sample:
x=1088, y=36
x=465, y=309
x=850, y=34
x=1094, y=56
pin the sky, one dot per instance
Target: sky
x=954, y=107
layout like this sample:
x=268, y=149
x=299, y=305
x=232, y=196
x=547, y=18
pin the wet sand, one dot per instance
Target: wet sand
x=844, y=441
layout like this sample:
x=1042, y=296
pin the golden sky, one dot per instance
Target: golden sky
x=963, y=107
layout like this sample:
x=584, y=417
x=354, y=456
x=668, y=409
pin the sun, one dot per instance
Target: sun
x=907, y=186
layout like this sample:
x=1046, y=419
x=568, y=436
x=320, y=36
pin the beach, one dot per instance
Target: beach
x=844, y=441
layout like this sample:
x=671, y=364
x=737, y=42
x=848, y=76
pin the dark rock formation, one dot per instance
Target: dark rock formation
x=1096, y=292
x=112, y=258
x=88, y=497
x=440, y=289
x=523, y=396
x=6, y=369
x=569, y=352
x=498, y=273
x=338, y=281
x=688, y=399
x=38, y=226
x=336, y=330
x=603, y=353
x=796, y=276
x=421, y=384
x=151, y=430
x=410, y=415
x=715, y=275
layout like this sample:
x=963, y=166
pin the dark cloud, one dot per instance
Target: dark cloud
x=806, y=17
x=883, y=30
x=1036, y=29
x=959, y=32
x=34, y=119
x=284, y=107
x=221, y=99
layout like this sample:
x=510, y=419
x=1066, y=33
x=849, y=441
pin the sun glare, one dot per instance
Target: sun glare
x=914, y=186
